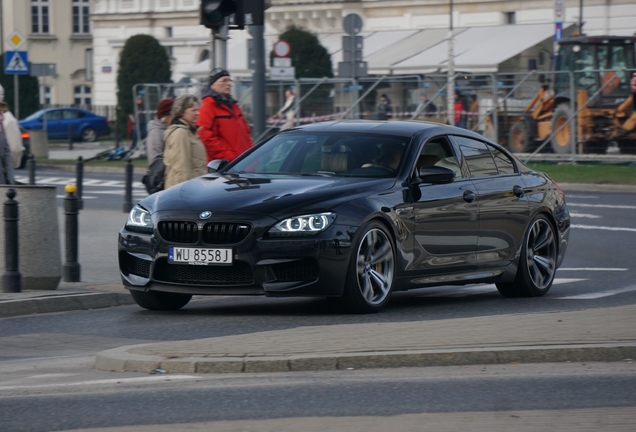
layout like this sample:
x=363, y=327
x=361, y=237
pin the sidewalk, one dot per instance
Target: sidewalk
x=604, y=334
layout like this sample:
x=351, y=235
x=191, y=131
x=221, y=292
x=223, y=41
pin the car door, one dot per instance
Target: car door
x=69, y=123
x=503, y=207
x=446, y=215
x=53, y=123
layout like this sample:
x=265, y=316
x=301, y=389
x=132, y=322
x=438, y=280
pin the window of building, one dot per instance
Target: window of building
x=81, y=17
x=510, y=18
x=82, y=95
x=40, y=16
x=45, y=95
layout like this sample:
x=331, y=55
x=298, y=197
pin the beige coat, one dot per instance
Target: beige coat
x=184, y=155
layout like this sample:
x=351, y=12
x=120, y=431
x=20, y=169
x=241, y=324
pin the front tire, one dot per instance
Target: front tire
x=561, y=140
x=371, y=270
x=537, y=265
x=157, y=300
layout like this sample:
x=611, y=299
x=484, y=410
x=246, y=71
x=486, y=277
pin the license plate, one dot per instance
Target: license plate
x=199, y=256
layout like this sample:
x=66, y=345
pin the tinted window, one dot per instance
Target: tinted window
x=54, y=115
x=69, y=114
x=478, y=157
x=342, y=154
x=504, y=163
x=437, y=152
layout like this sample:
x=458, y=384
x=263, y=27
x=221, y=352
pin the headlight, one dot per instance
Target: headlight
x=139, y=220
x=303, y=225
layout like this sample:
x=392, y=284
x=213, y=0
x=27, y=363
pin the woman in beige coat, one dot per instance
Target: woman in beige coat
x=184, y=155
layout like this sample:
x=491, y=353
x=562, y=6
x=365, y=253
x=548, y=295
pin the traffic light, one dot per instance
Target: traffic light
x=213, y=12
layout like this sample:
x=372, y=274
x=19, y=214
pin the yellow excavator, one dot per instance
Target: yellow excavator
x=602, y=67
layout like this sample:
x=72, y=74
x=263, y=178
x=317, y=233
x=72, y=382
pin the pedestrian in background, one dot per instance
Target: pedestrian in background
x=459, y=112
x=13, y=134
x=288, y=110
x=7, y=175
x=385, y=110
x=184, y=155
x=155, y=141
x=473, y=113
x=223, y=129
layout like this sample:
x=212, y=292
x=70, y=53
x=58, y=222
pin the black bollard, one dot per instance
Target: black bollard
x=70, y=137
x=11, y=279
x=128, y=205
x=79, y=169
x=31, y=167
x=71, y=266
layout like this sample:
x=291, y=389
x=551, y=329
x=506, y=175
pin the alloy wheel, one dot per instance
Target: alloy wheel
x=375, y=266
x=541, y=253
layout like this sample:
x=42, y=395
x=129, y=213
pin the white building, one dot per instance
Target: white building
x=401, y=36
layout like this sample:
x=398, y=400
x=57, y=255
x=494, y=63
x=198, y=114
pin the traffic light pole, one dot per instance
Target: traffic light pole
x=258, y=80
x=218, y=53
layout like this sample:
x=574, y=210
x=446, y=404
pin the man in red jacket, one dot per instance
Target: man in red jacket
x=222, y=126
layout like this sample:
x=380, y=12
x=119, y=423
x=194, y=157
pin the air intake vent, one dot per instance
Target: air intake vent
x=220, y=233
x=178, y=232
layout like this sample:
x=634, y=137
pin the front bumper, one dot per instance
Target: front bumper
x=281, y=266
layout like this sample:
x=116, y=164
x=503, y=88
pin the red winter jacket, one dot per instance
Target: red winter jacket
x=222, y=129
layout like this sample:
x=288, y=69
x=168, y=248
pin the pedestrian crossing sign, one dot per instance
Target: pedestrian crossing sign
x=16, y=63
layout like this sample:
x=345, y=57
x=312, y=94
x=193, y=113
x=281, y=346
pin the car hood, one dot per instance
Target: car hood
x=274, y=196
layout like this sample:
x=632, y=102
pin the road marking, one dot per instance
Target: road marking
x=592, y=296
x=581, y=196
x=482, y=289
x=106, y=381
x=602, y=206
x=592, y=269
x=605, y=228
x=585, y=215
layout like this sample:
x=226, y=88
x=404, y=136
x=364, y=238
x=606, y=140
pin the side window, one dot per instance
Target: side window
x=504, y=163
x=69, y=114
x=54, y=115
x=478, y=157
x=438, y=152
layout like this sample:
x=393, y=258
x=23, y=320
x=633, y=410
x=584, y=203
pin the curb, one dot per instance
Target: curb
x=63, y=303
x=120, y=360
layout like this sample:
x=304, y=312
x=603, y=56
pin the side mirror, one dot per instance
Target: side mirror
x=217, y=165
x=436, y=175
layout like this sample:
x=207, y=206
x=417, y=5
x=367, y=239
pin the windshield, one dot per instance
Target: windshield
x=35, y=115
x=326, y=154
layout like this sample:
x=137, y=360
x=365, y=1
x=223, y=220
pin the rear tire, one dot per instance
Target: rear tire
x=537, y=264
x=561, y=141
x=520, y=140
x=371, y=270
x=157, y=300
x=88, y=135
x=627, y=146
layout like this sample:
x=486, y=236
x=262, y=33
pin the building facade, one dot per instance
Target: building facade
x=56, y=32
x=388, y=24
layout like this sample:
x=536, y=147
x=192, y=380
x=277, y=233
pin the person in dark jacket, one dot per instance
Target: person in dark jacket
x=222, y=126
x=385, y=111
x=156, y=130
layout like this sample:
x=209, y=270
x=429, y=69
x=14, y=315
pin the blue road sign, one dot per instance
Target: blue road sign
x=16, y=63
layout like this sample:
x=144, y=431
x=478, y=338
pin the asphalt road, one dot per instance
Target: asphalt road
x=47, y=383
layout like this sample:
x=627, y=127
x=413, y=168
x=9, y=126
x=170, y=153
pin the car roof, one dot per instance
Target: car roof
x=400, y=128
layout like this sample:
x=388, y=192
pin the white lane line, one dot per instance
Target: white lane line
x=83, y=197
x=106, y=381
x=581, y=196
x=592, y=296
x=605, y=228
x=602, y=206
x=586, y=215
x=592, y=269
x=482, y=289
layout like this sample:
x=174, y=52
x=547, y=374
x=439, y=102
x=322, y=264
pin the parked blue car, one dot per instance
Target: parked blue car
x=85, y=126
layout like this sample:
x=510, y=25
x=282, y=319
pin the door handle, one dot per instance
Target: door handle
x=518, y=191
x=469, y=196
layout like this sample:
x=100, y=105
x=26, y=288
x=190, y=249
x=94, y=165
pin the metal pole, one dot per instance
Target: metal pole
x=79, y=170
x=581, y=17
x=128, y=205
x=450, y=93
x=71, y=266
x=220, y=46
x=16, y=96
x=31, y=168
x=70, y=137
x=259, y=89
x=212, y=50
x=11, y=279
